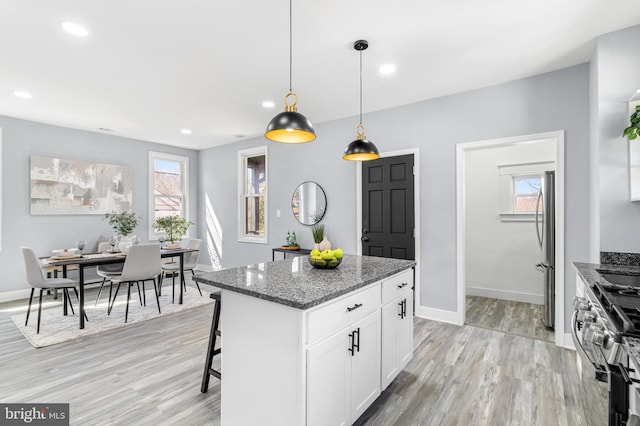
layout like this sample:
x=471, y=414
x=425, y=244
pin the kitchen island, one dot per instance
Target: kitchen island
x=311, y=346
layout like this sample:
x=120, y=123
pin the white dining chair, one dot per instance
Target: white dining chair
x=190, y=262
x=107, y=271
x=36, y=279
x=141, y=264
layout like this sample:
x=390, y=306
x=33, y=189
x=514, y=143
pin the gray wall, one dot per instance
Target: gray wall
x=616, y=66
x=548, y=102
x=20, y=140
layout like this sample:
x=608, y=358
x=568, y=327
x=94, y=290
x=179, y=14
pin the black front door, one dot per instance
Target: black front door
x=388, y=217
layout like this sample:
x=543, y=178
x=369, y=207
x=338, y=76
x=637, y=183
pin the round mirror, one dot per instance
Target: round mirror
x=308, y=203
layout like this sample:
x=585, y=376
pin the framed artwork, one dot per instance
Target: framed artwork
x=59, y=186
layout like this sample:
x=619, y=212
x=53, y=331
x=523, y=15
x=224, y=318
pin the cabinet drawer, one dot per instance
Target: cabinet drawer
x=342, y=312
x=396, y=285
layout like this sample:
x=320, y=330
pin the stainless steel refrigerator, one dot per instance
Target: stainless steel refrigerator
x=546, y=233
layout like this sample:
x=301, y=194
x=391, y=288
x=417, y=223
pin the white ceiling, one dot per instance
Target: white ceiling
x=150, y=68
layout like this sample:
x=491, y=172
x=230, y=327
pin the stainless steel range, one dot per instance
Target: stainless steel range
x=606, y=318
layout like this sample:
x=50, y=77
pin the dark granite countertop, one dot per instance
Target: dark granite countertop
x=294, y=282
x=590, y=272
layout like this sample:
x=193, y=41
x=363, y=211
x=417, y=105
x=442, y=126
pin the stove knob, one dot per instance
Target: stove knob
x=579, y=302
x=599, y=337
x=586, y=316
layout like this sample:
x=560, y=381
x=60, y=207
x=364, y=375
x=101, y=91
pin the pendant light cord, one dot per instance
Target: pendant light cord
x=290, y=45
x=361, y=87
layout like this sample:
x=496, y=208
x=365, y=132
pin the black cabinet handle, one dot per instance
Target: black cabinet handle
x=400, y=313
x=403, y=285
x=404, y=308
x=354, y=307
x=356, y=333
x=351, y=343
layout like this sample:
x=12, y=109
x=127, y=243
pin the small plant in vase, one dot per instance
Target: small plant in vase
x=123, y=223
x=175, y=227
x=322, y=243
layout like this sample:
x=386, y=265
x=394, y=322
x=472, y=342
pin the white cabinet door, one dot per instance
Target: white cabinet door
x=328, y=381
x=405, y=332
x=389, y=354
x=397, y=337
x=365, y=363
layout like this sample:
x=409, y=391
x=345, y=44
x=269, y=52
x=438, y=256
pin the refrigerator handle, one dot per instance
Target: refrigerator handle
x=538, y=234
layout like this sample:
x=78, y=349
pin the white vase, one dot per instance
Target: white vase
x=325, y=244
x=126, y=242
x=316, y=246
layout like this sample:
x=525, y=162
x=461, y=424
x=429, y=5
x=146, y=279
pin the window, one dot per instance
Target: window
x=252, y=200
x=168, y=183
x=525, y=193
x=519, y=187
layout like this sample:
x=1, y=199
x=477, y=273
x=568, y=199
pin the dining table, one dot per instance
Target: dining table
x=83, y=261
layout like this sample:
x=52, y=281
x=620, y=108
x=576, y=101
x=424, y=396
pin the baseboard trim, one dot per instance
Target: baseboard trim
x=513, y=296
x=568, y=342
x=450, y=317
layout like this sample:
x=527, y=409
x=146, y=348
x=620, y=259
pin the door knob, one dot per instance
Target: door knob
x=364, y=238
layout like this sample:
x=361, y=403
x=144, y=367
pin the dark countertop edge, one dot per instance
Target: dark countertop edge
x=302, y=306
x=591, y=272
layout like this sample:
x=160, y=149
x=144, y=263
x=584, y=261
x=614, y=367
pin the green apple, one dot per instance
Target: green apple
x=315, y=252
x=338, y=253
x=333, y=262
x=319, y=262
x=327, y=254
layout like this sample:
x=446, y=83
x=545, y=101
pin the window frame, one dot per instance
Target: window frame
x=243, y=156
x=515, y=194
x=507, y=191
x=184, y=164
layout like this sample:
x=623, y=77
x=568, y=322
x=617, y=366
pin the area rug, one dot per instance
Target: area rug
x=56, y=328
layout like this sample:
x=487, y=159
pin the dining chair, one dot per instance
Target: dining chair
x=36, y=279
x=107, y=271
x=190, y=261
x=141, y=264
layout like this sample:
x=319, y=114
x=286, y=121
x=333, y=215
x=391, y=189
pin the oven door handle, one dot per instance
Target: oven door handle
x=600, y=375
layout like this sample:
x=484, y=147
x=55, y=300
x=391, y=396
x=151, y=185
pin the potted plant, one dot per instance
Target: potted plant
x=174, y=226
x=633, y=131
x=322, y=243
x=123, y=223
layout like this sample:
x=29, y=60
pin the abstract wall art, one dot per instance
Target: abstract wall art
x=61, y=186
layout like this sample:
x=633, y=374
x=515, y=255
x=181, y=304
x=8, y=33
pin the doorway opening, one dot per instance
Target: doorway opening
x=497, y=248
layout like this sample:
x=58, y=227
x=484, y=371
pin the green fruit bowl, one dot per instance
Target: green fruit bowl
x=324, y=263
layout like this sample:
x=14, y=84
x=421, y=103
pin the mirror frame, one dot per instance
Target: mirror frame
x=324, y=194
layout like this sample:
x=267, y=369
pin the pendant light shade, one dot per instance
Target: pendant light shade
x=290, y=126
x=361, y=149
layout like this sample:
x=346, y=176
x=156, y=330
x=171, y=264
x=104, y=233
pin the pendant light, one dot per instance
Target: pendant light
x=290, y=126
x=361, y=149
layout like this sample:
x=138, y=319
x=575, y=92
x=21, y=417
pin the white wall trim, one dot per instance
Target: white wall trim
x=434, y=314
x=513, y=296
x=461, y=149
x=568, y=342
x=416, y=198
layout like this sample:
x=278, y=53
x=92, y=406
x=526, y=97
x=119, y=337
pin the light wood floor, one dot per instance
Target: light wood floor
x=521, y=319
x=149, y=373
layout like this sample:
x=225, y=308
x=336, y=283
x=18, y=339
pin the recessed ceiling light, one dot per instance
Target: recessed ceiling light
x=185, y=131
x=75, y=29
x=268, y=104
x=387, y=69
x=22, y=94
